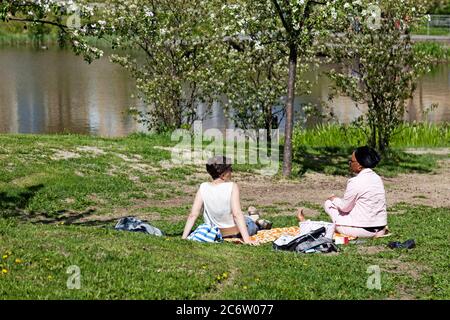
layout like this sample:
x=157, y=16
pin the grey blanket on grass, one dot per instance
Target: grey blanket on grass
x=136, y=225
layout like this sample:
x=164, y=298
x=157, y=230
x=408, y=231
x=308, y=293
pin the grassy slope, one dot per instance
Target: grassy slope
x=127, y=265
x=30, y=178
x=31, y=181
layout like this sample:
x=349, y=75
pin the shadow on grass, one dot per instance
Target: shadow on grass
x=14, y=202
x=71, y=218
x=63, y=217
x=329, y=160
x=334, y=161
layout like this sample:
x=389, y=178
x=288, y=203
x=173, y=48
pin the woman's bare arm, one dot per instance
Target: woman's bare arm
x=195, y=212
x=237, y=214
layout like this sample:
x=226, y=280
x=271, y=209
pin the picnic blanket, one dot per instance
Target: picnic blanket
x=266, y=236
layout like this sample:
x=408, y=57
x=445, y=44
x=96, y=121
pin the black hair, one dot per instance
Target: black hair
x=218, y=165
x=367, y=157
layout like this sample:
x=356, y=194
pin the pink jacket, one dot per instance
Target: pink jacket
x=364, y=200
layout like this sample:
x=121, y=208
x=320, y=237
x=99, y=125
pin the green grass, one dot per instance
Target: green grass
x=31, y=181
x=34, y=256
x=121, y=265
x=334, y=161
x=442, y=7
x=25, y=39
x=432, y=31
x=408, y=135
x=327, y=148
x=438, y=52
x=422, y=135
x=34, y=181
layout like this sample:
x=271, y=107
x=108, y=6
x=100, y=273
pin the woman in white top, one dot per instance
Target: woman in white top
x=221, y=203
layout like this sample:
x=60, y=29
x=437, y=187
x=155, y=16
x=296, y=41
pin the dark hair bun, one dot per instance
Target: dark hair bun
x=218, y=165
x=367, y=157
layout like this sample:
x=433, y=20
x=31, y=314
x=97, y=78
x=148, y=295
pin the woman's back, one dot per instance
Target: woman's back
x=217, y=204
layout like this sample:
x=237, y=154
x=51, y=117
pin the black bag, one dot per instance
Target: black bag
x=322, y=244
x=313, y=241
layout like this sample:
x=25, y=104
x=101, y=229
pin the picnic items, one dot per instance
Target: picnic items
x=408, y=244
x=387, y=233
x=341, y=240
x=206, y=233
x=136, y=225
x=311, y=242
x=262, y=224
x=308, y=226
x=266, y=236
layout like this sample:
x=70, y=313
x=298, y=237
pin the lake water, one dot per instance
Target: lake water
x=54, y=91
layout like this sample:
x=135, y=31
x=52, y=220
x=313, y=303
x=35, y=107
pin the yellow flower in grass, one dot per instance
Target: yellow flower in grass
x=4, y=271
x=18, y=261
x=5, y=256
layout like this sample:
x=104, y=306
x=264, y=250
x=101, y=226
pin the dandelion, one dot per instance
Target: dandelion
x=5, y=256
x=18, y=261
x=4, y=271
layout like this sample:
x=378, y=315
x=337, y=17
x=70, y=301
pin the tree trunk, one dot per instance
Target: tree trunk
x=287, y=154
x=373, y=136
x=268, y=124
x=383, y=141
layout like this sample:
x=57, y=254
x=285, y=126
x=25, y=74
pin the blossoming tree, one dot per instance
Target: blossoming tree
x=378, y=66
x=166, y=45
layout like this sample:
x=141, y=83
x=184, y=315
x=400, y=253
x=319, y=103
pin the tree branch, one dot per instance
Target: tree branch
x=281, y=15
x=59, y=25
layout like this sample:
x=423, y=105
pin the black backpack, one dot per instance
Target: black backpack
x=313, y=241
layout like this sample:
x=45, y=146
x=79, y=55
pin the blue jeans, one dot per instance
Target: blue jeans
x=252, y=228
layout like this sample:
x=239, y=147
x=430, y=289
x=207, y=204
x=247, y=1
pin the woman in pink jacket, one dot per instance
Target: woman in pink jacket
x=362, y=210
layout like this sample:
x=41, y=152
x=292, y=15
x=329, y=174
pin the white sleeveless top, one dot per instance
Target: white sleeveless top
x=217, y=204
